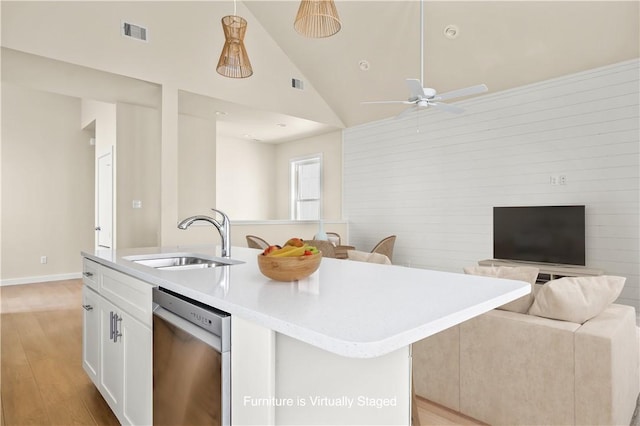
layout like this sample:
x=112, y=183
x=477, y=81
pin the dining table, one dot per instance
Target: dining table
x=341, y=251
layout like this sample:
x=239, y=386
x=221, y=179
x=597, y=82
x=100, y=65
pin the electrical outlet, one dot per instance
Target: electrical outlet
x=562, y=180
x=43, y=259
x=553, y=180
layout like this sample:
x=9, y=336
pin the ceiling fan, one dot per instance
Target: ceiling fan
x=423, y=97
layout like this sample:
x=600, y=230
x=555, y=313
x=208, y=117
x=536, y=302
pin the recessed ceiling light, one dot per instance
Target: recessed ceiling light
x=281, y=125
x=451, y=32
x=364, y=65
x=221, y=113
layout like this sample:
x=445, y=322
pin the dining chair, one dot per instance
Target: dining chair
x=334, y=236
x=256, y=242
x=327, y=249
x=385, y=246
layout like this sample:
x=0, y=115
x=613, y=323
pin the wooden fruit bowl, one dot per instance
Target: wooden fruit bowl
x=289, y=268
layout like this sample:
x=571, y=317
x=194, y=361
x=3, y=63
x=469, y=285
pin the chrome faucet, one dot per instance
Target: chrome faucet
x=223, y=228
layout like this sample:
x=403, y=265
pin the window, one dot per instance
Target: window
x=306, y=188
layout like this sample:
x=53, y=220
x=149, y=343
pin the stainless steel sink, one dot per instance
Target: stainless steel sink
x=180, y=261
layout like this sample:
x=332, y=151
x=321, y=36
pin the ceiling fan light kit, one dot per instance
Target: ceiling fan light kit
x=234, y=61
x=317, y=19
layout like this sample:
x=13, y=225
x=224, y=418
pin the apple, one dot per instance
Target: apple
x=296, y=242
x=270, y=249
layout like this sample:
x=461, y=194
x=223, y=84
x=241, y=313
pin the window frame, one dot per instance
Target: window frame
x=294, y=185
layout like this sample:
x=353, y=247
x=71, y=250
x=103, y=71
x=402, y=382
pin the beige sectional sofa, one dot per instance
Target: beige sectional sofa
x=511, y=368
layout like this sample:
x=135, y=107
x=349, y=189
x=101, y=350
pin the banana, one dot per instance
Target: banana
x=293, y=251
x=284, y=251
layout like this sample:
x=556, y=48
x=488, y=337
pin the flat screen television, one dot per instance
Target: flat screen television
x=547, y=234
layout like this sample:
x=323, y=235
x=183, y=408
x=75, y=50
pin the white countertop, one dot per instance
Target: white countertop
x=353, y=309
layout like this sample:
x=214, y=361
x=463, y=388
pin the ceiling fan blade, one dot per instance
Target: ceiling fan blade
x=387, y=102
x=415, y=88
x=446, y=107
x=407, y=112
x=473, y=90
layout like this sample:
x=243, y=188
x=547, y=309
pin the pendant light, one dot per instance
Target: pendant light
x=317, y=19
x=234, y=61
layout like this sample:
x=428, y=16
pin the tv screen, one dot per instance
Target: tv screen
x=549, y=234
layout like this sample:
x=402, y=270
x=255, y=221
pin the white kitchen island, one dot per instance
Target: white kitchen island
x=334, y=348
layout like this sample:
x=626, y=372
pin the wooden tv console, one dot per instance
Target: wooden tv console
x=548, y=271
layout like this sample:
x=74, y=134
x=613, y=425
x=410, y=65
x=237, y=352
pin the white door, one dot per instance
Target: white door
x=104, y=197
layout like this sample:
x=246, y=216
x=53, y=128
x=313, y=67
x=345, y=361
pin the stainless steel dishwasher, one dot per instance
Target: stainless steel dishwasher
x=191, y=362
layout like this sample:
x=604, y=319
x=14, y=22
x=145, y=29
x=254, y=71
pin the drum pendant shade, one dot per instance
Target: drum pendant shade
x=317, y=19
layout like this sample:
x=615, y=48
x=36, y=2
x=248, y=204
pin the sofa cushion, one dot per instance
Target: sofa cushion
x=520, y=273
x=576, y=299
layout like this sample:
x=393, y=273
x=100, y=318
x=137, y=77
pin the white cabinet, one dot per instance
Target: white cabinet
x=137, y=388
x=91, y=333
x=117, y=341
x=112, y=369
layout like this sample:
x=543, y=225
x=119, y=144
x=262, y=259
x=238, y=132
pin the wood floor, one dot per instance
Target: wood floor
x=42, y=381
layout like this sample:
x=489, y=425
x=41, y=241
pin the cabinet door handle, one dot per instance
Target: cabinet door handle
x=88, y=274
x=116, y=333
x=87, y=307
x=111, y=325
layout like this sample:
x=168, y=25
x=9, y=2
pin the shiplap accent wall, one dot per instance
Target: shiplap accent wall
x=432, y=179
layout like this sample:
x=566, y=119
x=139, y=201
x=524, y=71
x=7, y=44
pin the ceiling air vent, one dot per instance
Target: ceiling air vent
x=134, y=31
x=297, y=84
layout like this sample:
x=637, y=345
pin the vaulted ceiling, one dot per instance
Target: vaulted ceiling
x=503, y=44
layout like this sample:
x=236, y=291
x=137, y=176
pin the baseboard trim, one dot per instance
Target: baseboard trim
x=40, y=279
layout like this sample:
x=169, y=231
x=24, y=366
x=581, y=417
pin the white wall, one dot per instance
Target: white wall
x=330, y=146
x=245, y=174
x=47, y=185
x=434, y=179
x=102, y=117
x=253, y=177
x=196, y=165
x=137, y=176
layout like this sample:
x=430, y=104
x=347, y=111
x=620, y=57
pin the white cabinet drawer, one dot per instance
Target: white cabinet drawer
x=130, y=294
x=91, y=274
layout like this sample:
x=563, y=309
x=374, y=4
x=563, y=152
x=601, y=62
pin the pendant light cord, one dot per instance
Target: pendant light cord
x=234, y=8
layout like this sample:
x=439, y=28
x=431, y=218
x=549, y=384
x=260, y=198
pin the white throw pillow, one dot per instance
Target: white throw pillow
x=577, y=299
x=527, y=274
